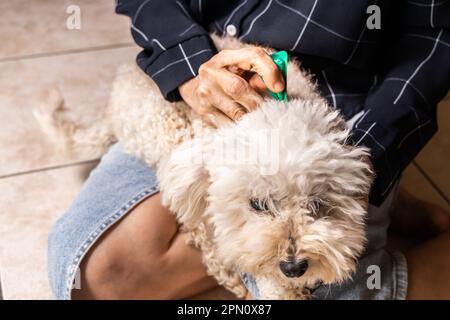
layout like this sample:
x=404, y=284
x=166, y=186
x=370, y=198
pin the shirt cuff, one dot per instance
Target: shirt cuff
x=177, y=64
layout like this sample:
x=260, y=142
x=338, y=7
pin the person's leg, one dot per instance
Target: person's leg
x=428, y=262
x=143, y=257
x=117, y=241
x=429, y=269
x=416, y=218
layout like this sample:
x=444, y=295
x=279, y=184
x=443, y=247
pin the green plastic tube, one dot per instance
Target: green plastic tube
x=281, y=60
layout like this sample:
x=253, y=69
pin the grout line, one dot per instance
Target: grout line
x=63, y=52
x=433, y=184
x=61, y=166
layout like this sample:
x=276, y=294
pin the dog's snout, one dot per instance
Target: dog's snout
x=294, y=269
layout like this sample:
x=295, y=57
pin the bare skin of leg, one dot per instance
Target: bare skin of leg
x=428, y=262
x=414, y=217
x=429, y=269
x=143, y=257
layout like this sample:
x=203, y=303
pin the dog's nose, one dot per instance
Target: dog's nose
x=294, y=269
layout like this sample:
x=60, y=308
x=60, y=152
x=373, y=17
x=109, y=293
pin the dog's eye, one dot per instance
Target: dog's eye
x=259, y=205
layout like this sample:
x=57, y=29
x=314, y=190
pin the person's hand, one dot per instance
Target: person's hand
x=229, y=84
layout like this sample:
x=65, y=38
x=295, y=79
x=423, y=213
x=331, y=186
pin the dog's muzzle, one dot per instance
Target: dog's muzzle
x=294, y=268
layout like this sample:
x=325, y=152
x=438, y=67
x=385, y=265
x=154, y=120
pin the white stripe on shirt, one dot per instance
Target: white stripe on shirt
x=186, y=59
x=419, y=66
x=304, y=26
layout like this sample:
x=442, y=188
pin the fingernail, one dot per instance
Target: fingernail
x=279, y=86
x=239, y=115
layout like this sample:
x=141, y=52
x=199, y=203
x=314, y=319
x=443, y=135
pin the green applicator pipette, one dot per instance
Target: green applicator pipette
x=281, y=60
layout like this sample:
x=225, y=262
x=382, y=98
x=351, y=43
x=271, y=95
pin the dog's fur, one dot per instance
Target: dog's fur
x=315, y=193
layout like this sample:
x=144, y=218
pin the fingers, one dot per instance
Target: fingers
x=255, y=81
x=231, y=84
x=257, y=84
x=219, y=108
x=228, y=106
x=217, y=119
x=237, y=89
x=253, y=59
x=209, y=111
x=221, y=85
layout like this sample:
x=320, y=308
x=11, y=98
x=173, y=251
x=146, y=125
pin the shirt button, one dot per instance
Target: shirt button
x=231, y=30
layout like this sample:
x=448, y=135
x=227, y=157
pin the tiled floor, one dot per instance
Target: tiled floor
x=37, y=183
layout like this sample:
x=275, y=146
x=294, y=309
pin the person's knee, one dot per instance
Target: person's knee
x=127, y=262
x=118, y=276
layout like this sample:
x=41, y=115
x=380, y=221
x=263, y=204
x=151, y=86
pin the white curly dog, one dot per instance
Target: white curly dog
x=280, y=194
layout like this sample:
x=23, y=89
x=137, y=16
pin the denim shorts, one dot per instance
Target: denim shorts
x=120, y=182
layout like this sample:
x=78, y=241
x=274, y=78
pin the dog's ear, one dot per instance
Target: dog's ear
x=184, y=181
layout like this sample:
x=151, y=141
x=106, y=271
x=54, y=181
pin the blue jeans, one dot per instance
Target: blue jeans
x=120, y=182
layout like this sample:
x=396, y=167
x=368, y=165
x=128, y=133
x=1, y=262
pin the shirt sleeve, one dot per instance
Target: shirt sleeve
x=174, y=43
x=400, y=112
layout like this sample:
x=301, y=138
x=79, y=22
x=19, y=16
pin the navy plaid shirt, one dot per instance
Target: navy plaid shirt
x=393, y=77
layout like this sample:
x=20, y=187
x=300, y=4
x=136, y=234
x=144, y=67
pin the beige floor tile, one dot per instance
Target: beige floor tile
x=84, y=79
x=434, y=158
x=414, y=182
x=30, y=204
x=31, y=27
